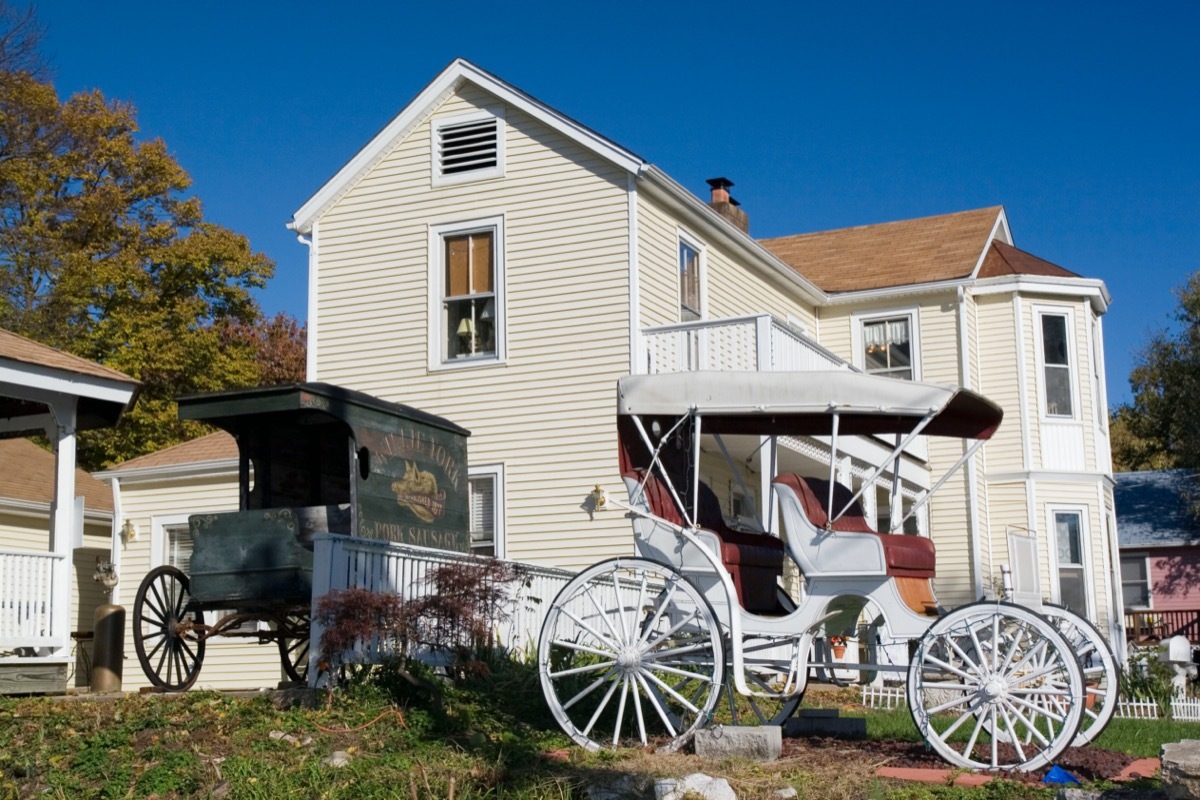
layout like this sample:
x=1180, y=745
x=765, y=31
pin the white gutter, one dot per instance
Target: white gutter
x=666, y=189
x=635, y=320
x=39, y=510
x=891, y=292
x=964, y=367
x=310, y=364
x=1091, y=288
x=171, y=471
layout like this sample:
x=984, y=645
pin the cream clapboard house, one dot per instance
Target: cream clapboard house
x=489, y=259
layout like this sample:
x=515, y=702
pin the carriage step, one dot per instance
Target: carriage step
x=825, y=722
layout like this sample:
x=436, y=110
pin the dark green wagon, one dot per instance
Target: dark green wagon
x=312, y=458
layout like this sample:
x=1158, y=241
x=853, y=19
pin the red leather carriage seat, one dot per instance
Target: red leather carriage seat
x=754, y=560
x=906, y=556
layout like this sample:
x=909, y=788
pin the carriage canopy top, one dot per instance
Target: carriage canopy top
x=803, y=403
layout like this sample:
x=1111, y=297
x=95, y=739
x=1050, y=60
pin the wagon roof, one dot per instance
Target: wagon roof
x=335, y=401
x=801, y=403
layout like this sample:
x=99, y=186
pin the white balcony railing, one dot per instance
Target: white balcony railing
x=27, y=607
x=759, y=343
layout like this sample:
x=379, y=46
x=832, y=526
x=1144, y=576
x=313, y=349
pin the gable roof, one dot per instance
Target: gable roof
x=28, y=369
x=1152, y=509
x=925, y=250
x=1004, y=259
x=28, y=476
x=448, y=80
x=214, y=447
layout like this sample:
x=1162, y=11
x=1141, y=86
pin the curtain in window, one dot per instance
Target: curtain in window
x=483, y=515
x=179, y=547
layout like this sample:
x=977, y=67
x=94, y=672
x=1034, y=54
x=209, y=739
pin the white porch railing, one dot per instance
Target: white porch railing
x=27, y=600
x=344, y=562
x=755, y=343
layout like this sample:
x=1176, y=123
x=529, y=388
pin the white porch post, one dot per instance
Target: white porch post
x=62, y=518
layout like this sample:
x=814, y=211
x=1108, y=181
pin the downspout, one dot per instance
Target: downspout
x=973, y=537
x=116, y=545
x=634, y=288
x=310, y=366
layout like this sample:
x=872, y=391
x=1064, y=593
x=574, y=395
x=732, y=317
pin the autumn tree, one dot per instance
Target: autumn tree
x=1160, y=428
x=103, y=255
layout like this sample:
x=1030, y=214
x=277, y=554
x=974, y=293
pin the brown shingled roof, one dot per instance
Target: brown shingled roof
x=27, y=351
x=1004, y=259
x=891, y=253
x=27, y=473
x=217, y=446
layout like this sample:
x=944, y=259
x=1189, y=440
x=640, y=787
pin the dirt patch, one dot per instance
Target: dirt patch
x=1086, y=763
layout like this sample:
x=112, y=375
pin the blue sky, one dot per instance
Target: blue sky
x=1083, y=120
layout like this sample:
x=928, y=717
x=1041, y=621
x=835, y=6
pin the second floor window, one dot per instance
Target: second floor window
x=469, y=301
x=1056, y=365
x=887, y=347
x=689, y=282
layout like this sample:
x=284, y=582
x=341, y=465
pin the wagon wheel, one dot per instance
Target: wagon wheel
x=763, y=674
x=630, y=652
x=1100, y=673
x=995, y=667
x=293, y=645
x=169, y=641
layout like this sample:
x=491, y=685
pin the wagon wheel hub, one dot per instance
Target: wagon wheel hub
x=995, y=689
x=629, y=659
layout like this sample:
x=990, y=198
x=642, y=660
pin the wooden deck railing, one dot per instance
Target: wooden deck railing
x=27, y=609
x=1143, y=625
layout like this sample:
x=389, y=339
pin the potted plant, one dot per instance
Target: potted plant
x=838, y=645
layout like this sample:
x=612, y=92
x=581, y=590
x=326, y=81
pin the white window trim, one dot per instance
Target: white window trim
x=1085, y=547
x=496, y=472
x=436, y=274
x=1149, y=583
x=691, y=240
x=858, y=319
x=1072, y=354
x=436, y=176
x=158, y=535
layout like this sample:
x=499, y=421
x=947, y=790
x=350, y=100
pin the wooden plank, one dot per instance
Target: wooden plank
x=33, y=679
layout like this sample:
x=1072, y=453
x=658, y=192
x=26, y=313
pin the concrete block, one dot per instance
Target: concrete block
x=1181, y=769
x=763, y=743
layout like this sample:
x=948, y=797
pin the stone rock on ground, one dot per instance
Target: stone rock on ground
x=1181, y=769
x=695, y=785
x=1110, y=794
x=762, y=743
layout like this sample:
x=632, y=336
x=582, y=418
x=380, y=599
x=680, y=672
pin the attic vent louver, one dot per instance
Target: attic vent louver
x=468, y=146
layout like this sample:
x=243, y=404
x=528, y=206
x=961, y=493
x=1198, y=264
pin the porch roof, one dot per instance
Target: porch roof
x=1153, y=509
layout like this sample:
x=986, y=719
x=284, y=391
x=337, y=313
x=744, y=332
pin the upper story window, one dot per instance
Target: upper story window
x=689, y=281
x=1057, y=379
x=469, y=313
x=888, y=346
x=468, y=147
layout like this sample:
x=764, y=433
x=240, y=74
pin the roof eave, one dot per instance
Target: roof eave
x=459, y=71
x=665, y=188
x=1091, y=288
x=907, y=290
x=166, y=472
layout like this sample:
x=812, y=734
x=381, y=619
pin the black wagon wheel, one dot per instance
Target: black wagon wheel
x=293, y=645
x=168, y=638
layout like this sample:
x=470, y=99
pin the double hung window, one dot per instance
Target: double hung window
x=469, y=306
x=888, y=347
x=689, y=282
x=1069, y=538
x=486, y=485
x=1135, y=581
x=1057, y=379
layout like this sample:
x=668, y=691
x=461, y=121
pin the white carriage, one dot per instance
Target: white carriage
x=639, y=650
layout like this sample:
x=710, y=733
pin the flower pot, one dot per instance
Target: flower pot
x=839, y=650
x=1089, y=697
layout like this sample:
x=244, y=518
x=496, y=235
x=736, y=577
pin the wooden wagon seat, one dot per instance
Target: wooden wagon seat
x=906, y=556
x=753, y=560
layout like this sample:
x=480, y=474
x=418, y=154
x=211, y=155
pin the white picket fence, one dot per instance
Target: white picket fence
x=342, y=562
x=884, y=697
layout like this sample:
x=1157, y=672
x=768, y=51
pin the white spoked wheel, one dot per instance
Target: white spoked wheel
x=1102, y=682
x=630, y=654
x=995, y=667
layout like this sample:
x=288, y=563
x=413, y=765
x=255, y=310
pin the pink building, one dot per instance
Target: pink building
x=1159, y=530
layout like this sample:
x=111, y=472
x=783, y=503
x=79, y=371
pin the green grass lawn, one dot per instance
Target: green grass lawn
x=494, y=739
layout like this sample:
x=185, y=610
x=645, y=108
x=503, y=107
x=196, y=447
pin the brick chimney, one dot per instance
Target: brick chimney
x=724, y=204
